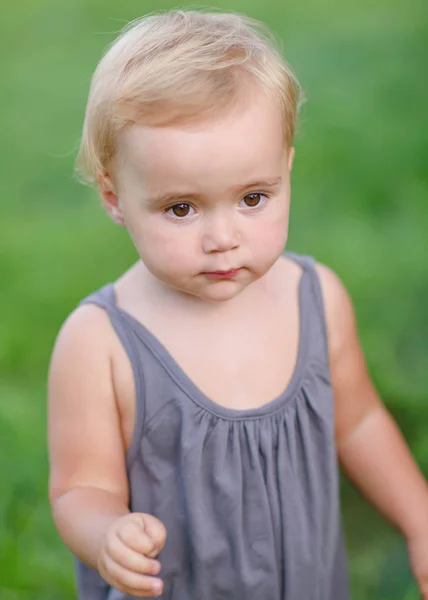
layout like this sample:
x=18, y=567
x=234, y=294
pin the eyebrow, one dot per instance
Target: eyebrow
x=181, y=196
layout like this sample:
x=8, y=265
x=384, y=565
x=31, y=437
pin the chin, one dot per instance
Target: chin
x=220, y=293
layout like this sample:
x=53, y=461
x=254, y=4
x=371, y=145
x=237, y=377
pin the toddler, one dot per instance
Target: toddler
x=198, y=406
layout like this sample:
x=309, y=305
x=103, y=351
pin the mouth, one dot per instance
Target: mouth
x=231, y=274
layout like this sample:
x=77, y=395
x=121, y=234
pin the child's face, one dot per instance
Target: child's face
x=207, y=205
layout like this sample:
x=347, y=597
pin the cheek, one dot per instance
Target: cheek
x=158, y=243
x=272, y=231
x=273, y=240
x=280, y=226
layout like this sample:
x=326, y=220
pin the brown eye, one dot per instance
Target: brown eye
x=252, y=200
x=180, y=210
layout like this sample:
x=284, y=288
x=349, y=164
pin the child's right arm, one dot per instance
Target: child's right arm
x=88, y=484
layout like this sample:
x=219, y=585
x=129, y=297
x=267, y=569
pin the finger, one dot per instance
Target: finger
x=130, y=559
x=134, y=536
x=155, y=529
x=129, y=582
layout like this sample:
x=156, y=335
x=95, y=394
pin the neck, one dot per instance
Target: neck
x=173, y=299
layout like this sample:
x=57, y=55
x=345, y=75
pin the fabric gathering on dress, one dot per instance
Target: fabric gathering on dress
x=250, y=499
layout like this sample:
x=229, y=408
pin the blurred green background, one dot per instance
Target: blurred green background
x=360, y=191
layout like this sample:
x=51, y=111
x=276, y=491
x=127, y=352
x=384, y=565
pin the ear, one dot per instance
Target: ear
x=110, y=199
x=291, y=154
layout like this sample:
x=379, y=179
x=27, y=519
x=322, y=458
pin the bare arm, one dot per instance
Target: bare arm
x=88, y=483
x=88, y=487
x=370, y=446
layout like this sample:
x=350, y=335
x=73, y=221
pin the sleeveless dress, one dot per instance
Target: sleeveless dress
x=249, y=498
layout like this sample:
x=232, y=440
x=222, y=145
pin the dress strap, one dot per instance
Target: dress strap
x=106, y=298
x=312, y=301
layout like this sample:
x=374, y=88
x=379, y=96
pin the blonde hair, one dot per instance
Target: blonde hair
x=179, y=66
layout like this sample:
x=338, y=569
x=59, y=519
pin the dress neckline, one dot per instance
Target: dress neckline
x=189, y=387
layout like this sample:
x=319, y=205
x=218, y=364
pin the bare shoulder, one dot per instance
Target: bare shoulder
x=87, y=325
x=354, y=393
x=335, y=294
x=83, y=346
x=82, y=409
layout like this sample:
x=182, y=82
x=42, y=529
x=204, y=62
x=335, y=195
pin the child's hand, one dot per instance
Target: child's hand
x=418, y=551
x=126, y=558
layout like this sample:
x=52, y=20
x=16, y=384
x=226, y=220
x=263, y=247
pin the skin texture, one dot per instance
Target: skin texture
x=197, y=200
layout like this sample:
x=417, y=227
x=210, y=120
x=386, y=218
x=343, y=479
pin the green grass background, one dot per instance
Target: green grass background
x=360, y=192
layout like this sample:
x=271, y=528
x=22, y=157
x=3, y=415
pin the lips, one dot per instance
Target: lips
x=230, y=274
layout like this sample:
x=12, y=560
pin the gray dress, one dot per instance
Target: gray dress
x=249, y=498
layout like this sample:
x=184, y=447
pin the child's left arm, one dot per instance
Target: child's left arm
x=370, y=446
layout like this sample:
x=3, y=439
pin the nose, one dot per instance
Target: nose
x=220, y=234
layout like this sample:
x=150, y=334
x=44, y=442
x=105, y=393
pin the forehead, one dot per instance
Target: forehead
x=244, y=142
